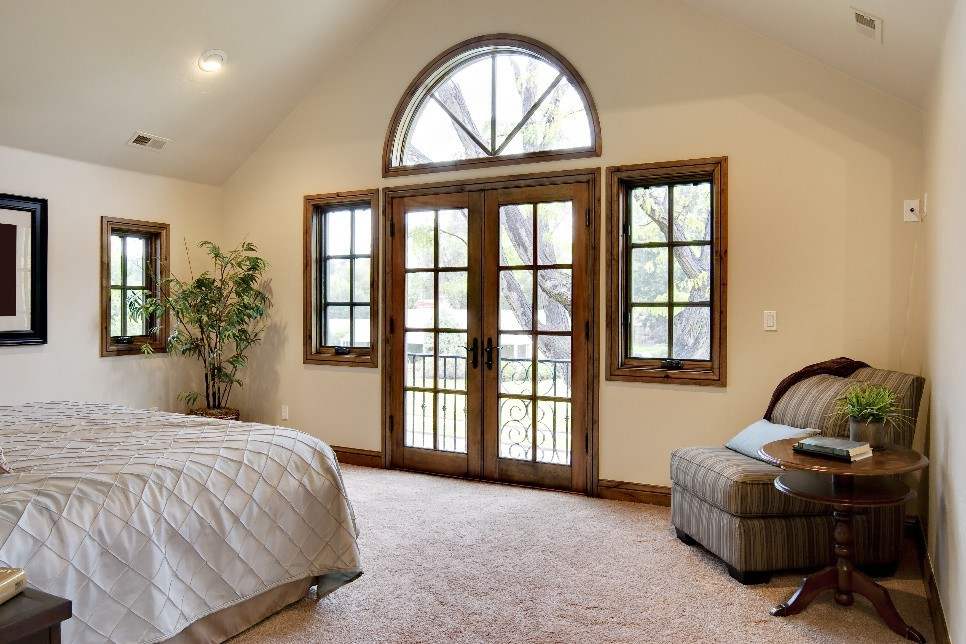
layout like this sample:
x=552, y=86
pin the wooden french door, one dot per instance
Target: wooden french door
x=489, y=326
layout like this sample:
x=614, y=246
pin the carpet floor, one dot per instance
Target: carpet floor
x=452, y=561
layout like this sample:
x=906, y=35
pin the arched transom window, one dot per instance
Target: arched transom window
x=492, y=100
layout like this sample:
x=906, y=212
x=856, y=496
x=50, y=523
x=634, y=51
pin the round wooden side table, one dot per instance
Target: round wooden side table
x=845, y=486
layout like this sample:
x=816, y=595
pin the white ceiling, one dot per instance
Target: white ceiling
x=78, y=78
x=901, y=65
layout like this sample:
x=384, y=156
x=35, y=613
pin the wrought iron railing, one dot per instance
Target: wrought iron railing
x=516, y=440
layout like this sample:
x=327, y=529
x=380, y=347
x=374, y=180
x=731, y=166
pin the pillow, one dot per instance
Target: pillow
x=752, y=438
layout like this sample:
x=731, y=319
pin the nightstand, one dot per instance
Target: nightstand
x=33, y=617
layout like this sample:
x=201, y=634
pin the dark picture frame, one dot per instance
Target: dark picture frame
x=36, y=210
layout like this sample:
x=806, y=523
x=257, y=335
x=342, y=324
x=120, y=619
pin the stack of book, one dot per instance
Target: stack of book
x=839, y=448
x=12, y=581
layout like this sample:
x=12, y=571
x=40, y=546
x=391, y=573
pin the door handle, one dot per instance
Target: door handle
x=489, y=353
x=474, y=351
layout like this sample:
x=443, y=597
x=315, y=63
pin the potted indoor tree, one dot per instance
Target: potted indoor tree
x=219, y=315
x=872, y=412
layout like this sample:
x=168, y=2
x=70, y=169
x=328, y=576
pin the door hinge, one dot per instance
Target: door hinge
x=392, y=325
x=587, y=330
x=391, y=424
x=587, y=442
x=392, y=226
x=587, y=217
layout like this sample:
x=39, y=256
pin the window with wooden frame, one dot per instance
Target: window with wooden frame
x=667, y=258
x=134, y=265
x=341, y=261
x=492, y=100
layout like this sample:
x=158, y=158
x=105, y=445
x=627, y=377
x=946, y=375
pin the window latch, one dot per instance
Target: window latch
x=342, y=351
x=672, y=364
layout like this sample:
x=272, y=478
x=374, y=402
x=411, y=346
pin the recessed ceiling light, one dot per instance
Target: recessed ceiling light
x=212, y=60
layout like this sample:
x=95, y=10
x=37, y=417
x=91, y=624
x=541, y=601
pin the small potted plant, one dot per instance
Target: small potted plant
x=219, y=316
x=872, y=412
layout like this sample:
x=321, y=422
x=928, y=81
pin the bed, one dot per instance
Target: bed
x=162, y=527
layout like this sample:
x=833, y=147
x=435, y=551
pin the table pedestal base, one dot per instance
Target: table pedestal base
x=845, y=580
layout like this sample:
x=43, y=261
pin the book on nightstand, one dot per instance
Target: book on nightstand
x=838, y=448
x=12, y=582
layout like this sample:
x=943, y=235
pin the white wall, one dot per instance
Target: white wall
x=69, y=366
x=819, y=164
x=946, y=230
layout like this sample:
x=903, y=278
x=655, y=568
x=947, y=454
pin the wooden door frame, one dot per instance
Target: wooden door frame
x=591, y=177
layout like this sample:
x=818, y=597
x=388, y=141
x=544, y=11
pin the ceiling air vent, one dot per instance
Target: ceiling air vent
x=868, y=25
x=149, y=141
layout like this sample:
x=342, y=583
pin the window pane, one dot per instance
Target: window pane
x=420, y=307
x=337, y=280
x=338, y=231
x=118, y=314
x=560, y=123
x=553, y=366
x=692, y=333
x=516, y=429
x=553, y=432
x=337, y=326
x=554, y=299
x=692, y=212
x=435, y=137
x=649, y=214
x=451, y=361
x=648, y=332
x=419, y=419
x=419, y=239
x=136, y=259
x=363, y=231
x=452, y=300
x=117, y=270
x=692, y=273
x=451, y=421
x=419, y=359
x=135, y=324
x=516, y=364
x=520, y=82
x=516, y=300
x=649, y=275
x=453, y=238
x=555, y=232
x=360, y=280
x=360, y=326
x=467, y=94
x=516, y=235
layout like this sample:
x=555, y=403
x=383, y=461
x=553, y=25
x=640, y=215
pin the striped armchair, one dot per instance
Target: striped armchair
x=727, y=502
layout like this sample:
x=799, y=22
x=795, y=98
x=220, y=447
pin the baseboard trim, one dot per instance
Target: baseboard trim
x=635, y=492
x=936, y=612
x=356, y=456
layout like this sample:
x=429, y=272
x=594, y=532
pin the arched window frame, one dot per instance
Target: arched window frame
x=432, y=74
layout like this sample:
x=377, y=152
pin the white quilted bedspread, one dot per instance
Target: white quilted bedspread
x=149, y=521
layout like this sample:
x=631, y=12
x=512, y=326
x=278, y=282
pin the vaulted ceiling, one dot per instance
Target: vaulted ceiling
x=78, y=78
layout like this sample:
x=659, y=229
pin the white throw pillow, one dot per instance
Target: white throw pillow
x=760, y=433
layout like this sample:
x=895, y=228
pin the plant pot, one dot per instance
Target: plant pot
x=219, y=413
x=872, y=433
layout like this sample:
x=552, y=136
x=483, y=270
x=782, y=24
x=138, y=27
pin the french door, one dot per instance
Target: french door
x=489, y=307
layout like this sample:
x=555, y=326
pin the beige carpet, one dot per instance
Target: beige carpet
x=457, y=561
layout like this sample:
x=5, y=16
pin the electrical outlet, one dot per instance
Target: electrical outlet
x=910, y=210
x=769, y=320
x=284, y=412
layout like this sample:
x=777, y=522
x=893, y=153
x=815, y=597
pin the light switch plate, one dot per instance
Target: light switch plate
x=769, y=320
x=284, y=412
x=910, y=210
